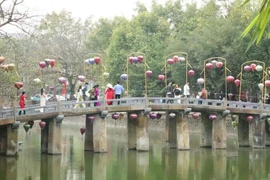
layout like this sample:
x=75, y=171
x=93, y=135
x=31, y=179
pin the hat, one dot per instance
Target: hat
x=109, y=85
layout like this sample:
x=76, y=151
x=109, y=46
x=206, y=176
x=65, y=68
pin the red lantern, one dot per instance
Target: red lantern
x=42, y=124
x=209, y=65
x=42, y=64
x=191, y=73
x=230, y=79
x=149, y=73
x=237, y=82
x=82, y=130
x=267, y=83
x=130, y=60
x=170, y=61
x=161, y=77
x=140, y=59
x=133, y=116
x=253, y=66
x=97, y=60
x=219, y=64
x=195, y=115
x=52, y=62
x=18, y=85
x=175, y=59
x=249, y=119
x=247, y=68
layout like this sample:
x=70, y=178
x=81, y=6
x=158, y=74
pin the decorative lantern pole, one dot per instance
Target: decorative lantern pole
x=173, y=58
x=95, y=58
x=251, y=67
x=49, y=61
x=220, y=63
x=138, y=58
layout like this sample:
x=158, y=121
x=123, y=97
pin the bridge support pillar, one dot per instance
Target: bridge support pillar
x=259, y=132
x=167, y=130
x=51, y=136
x=142, y=132
x=100, y=133
x=9, y=140
x=88, y=138
x=173, y=133
x=219, y=133
x=206, y=131
x=267, y=133
x=182, y=131
x=138, y=137
x=243, y=131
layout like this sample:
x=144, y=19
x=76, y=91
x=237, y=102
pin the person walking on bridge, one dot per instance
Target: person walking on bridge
x=186, y=90
x=22, y=102
x=42, y=99
x=109, y=94
x=118, y=90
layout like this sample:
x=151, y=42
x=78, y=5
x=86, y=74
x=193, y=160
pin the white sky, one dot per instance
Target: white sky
x=87, y=8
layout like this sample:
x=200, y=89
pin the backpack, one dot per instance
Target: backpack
x=177, y=92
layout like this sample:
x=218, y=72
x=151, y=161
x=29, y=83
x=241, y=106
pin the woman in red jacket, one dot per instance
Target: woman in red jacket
x=109, y=94
x=22, y=102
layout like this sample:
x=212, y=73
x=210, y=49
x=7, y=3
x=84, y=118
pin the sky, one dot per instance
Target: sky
x=87, y=8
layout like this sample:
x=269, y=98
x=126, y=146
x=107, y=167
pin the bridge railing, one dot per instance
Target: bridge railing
x=131, y=101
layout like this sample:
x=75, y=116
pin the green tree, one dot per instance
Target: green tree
x=63, y=37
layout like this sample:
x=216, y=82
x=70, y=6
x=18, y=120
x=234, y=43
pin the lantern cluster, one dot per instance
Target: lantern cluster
x=214, y=63
x=175, y=59
x=135, y=60
x=47, y=63
x=253, y=67
x=91, y=61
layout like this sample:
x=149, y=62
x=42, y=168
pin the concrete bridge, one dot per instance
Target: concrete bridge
x=138, y=109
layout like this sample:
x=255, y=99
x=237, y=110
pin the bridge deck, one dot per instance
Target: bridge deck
x=67, y=108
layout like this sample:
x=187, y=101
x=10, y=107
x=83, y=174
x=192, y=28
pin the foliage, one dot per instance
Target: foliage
x=259, y=23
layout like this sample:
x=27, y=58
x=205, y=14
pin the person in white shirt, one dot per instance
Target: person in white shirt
x=186, y=90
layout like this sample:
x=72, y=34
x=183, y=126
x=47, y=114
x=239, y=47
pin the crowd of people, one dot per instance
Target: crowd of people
x=93, y=94
x=175, y=91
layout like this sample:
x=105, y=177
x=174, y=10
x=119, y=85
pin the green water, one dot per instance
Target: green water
x=119, y=163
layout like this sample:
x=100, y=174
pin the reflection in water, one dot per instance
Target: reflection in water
x=161, y=163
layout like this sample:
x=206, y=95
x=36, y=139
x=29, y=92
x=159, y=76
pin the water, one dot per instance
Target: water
x=119, y=163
